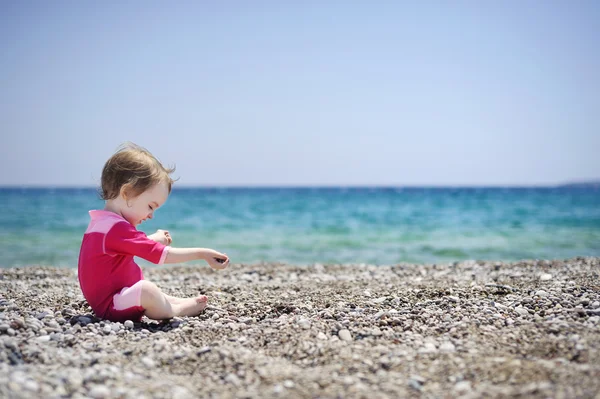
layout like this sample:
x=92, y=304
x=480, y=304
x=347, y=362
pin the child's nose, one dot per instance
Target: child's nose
x=150, y=215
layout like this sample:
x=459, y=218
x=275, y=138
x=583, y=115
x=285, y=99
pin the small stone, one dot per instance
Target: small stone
x=304, y=324
x=17, y=323
x=128, y=324
x=288, y=384
x=204, y=349
x=595, y=305
x=429, y=347
x=57, y=337
x=42, y=314
x=414, y=384
x=447, y=347
x=278, y=388
x=31, y=385
x=181, y=393
x=462, y=386
x=4, y=327
x=99, y=392
x=10, y=344
x=541, y=293
x=116, y=327
x=376, y=332
x=545, y=277
x=11, y=332
x=232, y=326
x=522, y=311
x=321, y=336
x=233, y=379
x=84, y=320
x=148, y=362
x=379, y=315
x=43, y=338
x=345, y=335
x=106, y=329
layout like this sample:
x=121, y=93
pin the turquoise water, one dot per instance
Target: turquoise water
x=325, y=225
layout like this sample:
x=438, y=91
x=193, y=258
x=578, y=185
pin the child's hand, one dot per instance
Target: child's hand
x=161, y=236
x=216, y=260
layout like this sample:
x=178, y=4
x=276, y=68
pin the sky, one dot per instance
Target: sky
x=287, y=93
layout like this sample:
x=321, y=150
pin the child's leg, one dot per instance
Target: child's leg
x=158, y=306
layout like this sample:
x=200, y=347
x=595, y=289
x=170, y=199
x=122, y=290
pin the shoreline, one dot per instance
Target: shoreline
x=466, y=329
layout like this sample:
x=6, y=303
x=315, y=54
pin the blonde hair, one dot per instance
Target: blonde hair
x=134, y=168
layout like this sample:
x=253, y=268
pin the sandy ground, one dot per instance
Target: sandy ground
x=470, y=329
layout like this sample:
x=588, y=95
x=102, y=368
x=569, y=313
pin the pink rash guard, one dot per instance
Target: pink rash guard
x=106, y=267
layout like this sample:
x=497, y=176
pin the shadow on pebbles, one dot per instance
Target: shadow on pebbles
x=470, y=329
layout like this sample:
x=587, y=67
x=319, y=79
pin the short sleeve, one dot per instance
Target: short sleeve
x=124, y=239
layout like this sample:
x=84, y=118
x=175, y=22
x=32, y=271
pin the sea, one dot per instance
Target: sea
x=304, y=226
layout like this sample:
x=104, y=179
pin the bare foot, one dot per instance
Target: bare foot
x=190, y=306
x=174, y=299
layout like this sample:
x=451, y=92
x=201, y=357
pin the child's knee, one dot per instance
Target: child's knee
x=150, y=289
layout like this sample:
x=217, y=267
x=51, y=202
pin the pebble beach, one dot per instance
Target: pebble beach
x=464, y=329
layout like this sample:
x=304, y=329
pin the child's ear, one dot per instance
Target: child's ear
x=124, y=192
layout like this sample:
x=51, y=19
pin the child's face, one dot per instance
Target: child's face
x=143, y=206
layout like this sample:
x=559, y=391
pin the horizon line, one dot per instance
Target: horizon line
x=591, y=183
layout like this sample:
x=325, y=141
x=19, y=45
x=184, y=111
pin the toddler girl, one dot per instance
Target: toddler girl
x=134, y=185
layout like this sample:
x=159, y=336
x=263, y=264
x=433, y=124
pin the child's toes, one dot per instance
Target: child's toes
x=202, y=298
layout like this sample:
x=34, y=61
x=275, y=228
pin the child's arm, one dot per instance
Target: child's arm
x=179, y=255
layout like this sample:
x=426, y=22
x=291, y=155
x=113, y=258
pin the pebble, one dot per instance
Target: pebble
x=379, y=315
x=304, y=324
x=522, y=311
x=288, y=384
x=233, y=379
x=414, y=384
x=429, y=347
x=128, y=324
x=31, y=385
x=462, y=386
x=541, y=293
x=345, y=335
x=447, y=347
x=17, y=323
x=148, y=362
x=99, y=392
x=545, y=277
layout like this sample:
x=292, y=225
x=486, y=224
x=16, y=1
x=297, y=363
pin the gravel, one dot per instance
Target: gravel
x=468, y=329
